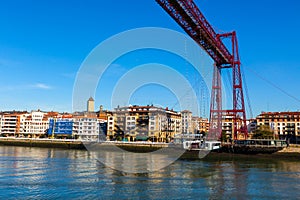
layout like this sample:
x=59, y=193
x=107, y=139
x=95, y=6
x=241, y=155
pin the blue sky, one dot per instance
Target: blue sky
x=43, y=43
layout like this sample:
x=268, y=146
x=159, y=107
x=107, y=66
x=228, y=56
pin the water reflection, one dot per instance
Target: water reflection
x=57, y=173
x=126, y=161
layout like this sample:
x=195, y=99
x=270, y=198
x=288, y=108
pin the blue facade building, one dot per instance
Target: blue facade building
x=103, y=128
x=60, y=126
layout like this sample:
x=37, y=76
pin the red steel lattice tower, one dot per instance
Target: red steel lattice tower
x=189, y=17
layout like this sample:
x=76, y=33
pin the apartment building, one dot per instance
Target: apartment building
x=174, y=124
x=86, y=126
x=61, y=126
x=143, y=123
x=203, y=125
x=286, y=125
x=11, y=122
x=34, y=124
x=227, y=125
x=110, y=126
x=1, y=116
x=187, y=126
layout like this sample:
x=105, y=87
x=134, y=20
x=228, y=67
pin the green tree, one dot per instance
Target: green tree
x=223, y=136
x=263, y=132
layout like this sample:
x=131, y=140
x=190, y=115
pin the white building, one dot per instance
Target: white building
x=174, y=122
x=10, y=123
x=86, y=128
x=186, y=118
x=157, y=121
x=34, y=124
x=195, y=125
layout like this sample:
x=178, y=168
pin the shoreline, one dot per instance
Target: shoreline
x=291, y=153
x=43, y=143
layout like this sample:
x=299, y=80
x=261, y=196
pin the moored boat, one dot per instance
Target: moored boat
x=201, y=147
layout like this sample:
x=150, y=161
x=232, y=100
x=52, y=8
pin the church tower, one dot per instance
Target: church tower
x=91, y=105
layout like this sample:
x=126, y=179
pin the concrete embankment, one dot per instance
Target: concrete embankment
x=292, y=152
x=250, y=149
x=47, y=143
x=140, y=147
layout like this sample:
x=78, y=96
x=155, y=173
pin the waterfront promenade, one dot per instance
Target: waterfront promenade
x=78, y=144
x=42, y=142
x=291, y=152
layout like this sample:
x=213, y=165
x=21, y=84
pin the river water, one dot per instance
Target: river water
x=40, y=173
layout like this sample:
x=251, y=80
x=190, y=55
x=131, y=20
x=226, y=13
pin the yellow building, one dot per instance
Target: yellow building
x=151, y=123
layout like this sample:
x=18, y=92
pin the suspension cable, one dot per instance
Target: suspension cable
x=247, y=93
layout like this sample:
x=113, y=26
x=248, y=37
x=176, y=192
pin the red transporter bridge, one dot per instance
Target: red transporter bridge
x=189, y=17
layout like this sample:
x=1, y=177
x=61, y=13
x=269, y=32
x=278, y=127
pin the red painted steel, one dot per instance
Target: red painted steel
x=189, y=17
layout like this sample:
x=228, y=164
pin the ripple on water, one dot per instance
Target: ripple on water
x=33, y=173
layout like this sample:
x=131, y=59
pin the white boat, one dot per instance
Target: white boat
x=202, y=147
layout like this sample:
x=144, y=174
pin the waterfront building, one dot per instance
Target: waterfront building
x=159, y=126
x=34, y=124
x=110, y=126
x=86, y=126
x=203, y=125
x=11, y=122
x=187, y=124
x=88, y=129
x=252, y=126
x=227, y=126
x=192, y=124
x=286, y=125
x=195, y=125
x=134, y=123
x=1, y=116
x=102, y=114
x=174, y=123
x=61, y=126
x=102, y=129
x=200, y=124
